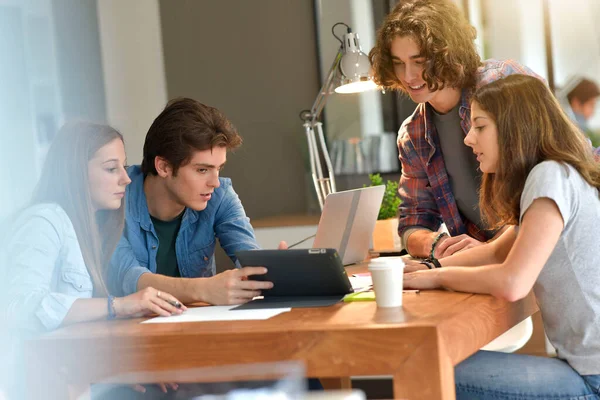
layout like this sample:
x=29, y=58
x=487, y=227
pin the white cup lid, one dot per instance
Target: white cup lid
x=386, y=262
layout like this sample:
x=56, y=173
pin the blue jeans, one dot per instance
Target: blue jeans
x=501, y=376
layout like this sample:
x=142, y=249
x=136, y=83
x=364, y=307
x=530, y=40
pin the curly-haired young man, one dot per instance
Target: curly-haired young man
x=426, y=49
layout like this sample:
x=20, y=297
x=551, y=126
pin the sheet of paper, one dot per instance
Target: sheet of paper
x=218, y=313
x=359, y=282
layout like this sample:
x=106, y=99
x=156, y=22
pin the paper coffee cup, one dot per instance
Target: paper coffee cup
x=387, y=274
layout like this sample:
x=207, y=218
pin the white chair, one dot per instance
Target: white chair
x=513, y=339
x=353, y=394
x=550, y=350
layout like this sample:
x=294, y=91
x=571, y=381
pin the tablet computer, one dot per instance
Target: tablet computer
x=301, y=277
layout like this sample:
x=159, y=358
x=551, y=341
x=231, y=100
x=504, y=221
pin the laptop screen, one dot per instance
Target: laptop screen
x=348, y=221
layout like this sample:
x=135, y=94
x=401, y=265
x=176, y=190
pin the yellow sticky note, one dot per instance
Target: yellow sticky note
x=361, y=296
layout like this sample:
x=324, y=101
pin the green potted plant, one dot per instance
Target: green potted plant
x=391, y=201
x=385, y=235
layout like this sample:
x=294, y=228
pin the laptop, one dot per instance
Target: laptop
x=347, y=222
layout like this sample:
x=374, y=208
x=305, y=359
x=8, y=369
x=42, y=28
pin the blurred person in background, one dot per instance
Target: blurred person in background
x=579, y=97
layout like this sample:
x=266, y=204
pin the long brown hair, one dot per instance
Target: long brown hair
x=446, y=40
x=531, y=128
x=64, y=180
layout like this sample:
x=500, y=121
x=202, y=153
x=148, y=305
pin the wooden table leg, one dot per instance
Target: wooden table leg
x=427, y=374
x=342, y=383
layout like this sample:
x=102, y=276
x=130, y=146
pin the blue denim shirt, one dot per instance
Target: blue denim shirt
x=44, y=269
x=224, y=218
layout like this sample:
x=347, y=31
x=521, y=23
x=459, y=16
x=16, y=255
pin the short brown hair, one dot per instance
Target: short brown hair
x=446, y=40
x=532, y=128
x=185, y=126
x=584, y=91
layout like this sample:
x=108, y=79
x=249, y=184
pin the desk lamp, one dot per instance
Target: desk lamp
x=349, y=73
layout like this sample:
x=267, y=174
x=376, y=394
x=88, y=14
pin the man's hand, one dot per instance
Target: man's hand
x=450, y=245
x=282, y=245
x=233, y=286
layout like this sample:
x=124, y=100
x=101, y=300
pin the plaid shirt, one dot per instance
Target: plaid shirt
x=424, y=188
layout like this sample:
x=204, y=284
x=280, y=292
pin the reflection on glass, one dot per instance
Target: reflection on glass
x=351, y=120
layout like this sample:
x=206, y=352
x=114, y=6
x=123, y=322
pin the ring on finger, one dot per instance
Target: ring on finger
x=158, y=294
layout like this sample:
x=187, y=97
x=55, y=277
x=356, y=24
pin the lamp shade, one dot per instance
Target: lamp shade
x=355, y=67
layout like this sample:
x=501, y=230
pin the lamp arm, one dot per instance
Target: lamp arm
x=317, y=108
x=317, y=147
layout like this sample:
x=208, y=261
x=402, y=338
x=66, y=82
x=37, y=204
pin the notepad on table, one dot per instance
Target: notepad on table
x=218, y=313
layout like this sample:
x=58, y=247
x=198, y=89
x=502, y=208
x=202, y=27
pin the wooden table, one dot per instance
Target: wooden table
x=418, y=344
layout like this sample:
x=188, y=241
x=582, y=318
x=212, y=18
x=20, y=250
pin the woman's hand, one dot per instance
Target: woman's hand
x=422, y=280
x=147, y=301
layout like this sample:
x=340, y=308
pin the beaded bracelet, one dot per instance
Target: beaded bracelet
x=111, y=307
x=431, y=263
x=435, y=242
x=435, y=262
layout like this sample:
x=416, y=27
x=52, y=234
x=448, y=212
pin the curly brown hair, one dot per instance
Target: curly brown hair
x=532, y=128
x=446, y=40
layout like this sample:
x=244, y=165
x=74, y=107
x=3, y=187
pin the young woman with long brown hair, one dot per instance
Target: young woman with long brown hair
x=55, y=255
x=539, y=175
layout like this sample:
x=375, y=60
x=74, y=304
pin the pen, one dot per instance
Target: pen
x=364, y=289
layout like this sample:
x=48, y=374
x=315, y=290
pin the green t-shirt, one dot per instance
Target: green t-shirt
x=166, y=256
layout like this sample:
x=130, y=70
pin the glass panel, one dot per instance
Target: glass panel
x=361, y=128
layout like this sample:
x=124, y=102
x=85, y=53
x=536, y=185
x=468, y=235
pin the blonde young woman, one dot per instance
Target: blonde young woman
x=539, y=176
x=57, y=249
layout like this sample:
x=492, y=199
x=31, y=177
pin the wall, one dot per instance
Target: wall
x=255, y=61
x=79, y=60
x=134, y=74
